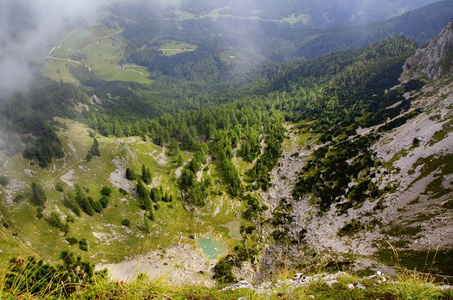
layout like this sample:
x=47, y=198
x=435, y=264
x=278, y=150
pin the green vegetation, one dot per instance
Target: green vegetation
x=170, y=47
x=205, y=160
x=97, y=47
x=185, y=144
x=38, y=195
x=75, y=279
x=126, y=222
x=329, y=174
x=4, y=180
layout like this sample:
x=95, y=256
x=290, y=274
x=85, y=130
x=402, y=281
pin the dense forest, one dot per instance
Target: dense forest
x=333, y=101
x=27, y=119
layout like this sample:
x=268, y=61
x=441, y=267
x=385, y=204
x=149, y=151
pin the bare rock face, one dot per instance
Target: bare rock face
x=433, y=61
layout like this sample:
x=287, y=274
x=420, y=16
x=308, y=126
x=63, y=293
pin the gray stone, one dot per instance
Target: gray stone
x=430, y=60
x=331, y=282
x=360, y=286
x=299, y=277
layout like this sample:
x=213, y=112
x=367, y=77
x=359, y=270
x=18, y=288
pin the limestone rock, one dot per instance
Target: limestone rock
x=433, y=61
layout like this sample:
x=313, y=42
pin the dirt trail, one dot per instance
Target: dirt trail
x=5, y=204
x=100, y=39
x=49, y=55
x=132, y=70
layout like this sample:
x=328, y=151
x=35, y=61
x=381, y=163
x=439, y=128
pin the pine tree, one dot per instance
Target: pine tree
x=39, y=196
x=146, y=175
x=71, y=203
x=83, y=201
x=146, y=223
x=143, y=192
x=130, y=175
x=95, y=148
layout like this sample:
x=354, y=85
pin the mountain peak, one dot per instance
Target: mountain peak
x=433, y=61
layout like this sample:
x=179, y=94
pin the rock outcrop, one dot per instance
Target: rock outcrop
x=433, y=61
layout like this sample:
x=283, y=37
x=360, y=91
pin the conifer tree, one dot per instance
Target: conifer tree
x=130, y=175
x=146, y=175
x=39, y=196
x=83, y=201
x=146, y=223
x=143, y=192
x=95, y=148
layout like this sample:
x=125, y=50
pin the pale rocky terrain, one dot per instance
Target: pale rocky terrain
x=408, y=206
x=182, y=265
x=434, y=60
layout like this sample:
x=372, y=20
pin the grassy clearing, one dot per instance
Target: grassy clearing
x=58, y=70
x=100, y=49
x=170, y=47
x=28, y=235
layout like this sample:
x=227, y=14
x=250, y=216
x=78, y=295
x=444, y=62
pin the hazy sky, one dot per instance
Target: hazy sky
x=26, y=29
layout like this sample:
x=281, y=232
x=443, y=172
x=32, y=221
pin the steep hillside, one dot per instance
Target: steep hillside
x=435, y=60
x=420, y=25
x=401, y=200
x=334, y=162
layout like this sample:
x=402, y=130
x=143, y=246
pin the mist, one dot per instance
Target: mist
x=27, y=27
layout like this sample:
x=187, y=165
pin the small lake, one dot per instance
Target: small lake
x=212, y=248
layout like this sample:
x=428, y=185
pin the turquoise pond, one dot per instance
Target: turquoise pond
x=212, y=248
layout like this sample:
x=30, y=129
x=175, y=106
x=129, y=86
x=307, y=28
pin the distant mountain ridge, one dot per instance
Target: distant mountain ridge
x=319, y=14
x=421, y=25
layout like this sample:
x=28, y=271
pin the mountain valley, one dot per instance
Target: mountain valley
x=163, y=143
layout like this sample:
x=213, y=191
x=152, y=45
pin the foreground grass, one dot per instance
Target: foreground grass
x=407, y=285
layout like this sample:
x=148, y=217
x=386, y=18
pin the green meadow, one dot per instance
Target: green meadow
x=97, y=47
x=174, y=222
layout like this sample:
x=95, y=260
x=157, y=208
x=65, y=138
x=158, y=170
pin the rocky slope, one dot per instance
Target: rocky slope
x=435, y=60
x=415, y=177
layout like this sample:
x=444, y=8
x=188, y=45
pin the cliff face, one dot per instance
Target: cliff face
x=433, y=61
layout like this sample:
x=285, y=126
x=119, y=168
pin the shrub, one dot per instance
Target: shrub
x=104, y=201
x=130, y=175
x=96, y=205
x=39, y=213
x=126, y=222
x=41, y=280
x=83, y=244
x=39, y=196
x=106, y=191
x=54, y=220
x=18, y=198
x=72, y=241
x=4, y=180
x=83, y=202
x=59, y=186
x=71, y=203
x=223, y=270
x=88, y=157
